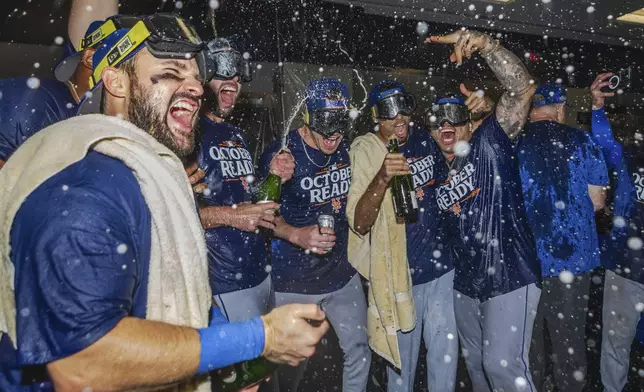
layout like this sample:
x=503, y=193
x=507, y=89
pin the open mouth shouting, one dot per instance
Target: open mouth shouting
x=331, y=143
x=447, y=137
x=400, y=129
x=228, y=95
x=182, y=116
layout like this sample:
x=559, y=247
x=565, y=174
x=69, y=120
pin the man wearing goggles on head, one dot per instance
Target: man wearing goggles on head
x=310, y=262
x=238, y=253
x=497, y=279
x=108, y=264
x=27, y=109
x=417, y=249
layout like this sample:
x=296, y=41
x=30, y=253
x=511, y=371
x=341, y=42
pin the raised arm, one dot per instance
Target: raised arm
x=514, y=105
x=601, y=130
x=84, y=12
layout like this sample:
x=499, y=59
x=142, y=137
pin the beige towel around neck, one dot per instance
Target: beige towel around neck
x=380, y=256
x=178, y=288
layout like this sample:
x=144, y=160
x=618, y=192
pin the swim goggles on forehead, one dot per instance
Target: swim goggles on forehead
x=327, y=122
x=166, y=36
x=391, y=106
x=452, y=111
x=226, y=63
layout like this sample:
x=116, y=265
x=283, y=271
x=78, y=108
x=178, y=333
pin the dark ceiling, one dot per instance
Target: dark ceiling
x=383, y=33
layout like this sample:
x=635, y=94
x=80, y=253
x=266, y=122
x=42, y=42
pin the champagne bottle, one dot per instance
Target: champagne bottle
x=242, y=375
x=402, y=191
x=269, y=190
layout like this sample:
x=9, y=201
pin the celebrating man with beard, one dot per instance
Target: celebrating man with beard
x=237, y=254
x=103, y=276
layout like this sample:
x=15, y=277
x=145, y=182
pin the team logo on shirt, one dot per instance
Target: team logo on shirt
x=329, y=184
x=420, y=194
x=422, y=173
x=638, y=179
x=337, y=205
x=235, y=161
x=459, y=188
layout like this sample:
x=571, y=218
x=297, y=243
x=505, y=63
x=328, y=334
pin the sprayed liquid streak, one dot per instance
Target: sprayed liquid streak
x=366, y=94
x=294, y=113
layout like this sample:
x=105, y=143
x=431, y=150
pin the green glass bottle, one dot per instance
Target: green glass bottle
x=402, y=191
x=269, y=190
x=242, y=375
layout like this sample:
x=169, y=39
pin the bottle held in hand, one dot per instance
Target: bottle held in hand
x=269, y=190
x=242, y=375
x=402, y=191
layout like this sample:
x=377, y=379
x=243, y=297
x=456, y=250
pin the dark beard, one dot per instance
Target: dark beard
x=210, y=104
x=142, y=113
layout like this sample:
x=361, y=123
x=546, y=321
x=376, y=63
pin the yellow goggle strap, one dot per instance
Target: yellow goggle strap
x=97, y=35
x=128, y=43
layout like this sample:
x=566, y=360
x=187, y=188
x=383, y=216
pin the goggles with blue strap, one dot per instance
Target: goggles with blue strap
x=393, y=103
x=328, y=109
x=451, y=110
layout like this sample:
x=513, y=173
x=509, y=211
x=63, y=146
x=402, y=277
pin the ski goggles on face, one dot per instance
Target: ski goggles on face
x=330, y=121
x=390, y=107
x=225, y=64
x=455, y=114
x=166, y=36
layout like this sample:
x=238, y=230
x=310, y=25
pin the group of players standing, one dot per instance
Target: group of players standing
x=471, y=267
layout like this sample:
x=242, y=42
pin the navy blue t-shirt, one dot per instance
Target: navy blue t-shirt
x=25, y=111
x=81, y=250
x=482, y=203
x=315, y=189
x=557, y=164
x=237, y=259
x=427, y=253
x=627, y=240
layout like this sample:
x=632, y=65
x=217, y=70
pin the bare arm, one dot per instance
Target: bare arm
x=84, y=12
x=1, y=164
x=598, y=196
x=368, y=206
x=514, y=105
x=135, y=354
x=247, y=217
x=215, y=216
x=512, y=109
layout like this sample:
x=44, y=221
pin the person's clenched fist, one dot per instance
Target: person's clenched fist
x=283, y=165
x=290, y=336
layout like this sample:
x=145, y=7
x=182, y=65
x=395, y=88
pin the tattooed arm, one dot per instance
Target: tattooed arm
x=513, y=107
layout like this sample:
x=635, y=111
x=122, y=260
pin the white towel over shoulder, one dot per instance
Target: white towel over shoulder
x=178, y=288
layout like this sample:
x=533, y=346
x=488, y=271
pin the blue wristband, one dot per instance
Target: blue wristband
x=226, y=344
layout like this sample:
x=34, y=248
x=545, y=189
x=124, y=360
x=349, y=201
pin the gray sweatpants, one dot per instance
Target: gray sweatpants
x=248, y=303
x=563, y=310
x=436, y=324
x=346, y=310
x=495, y=337
x=622, y=301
